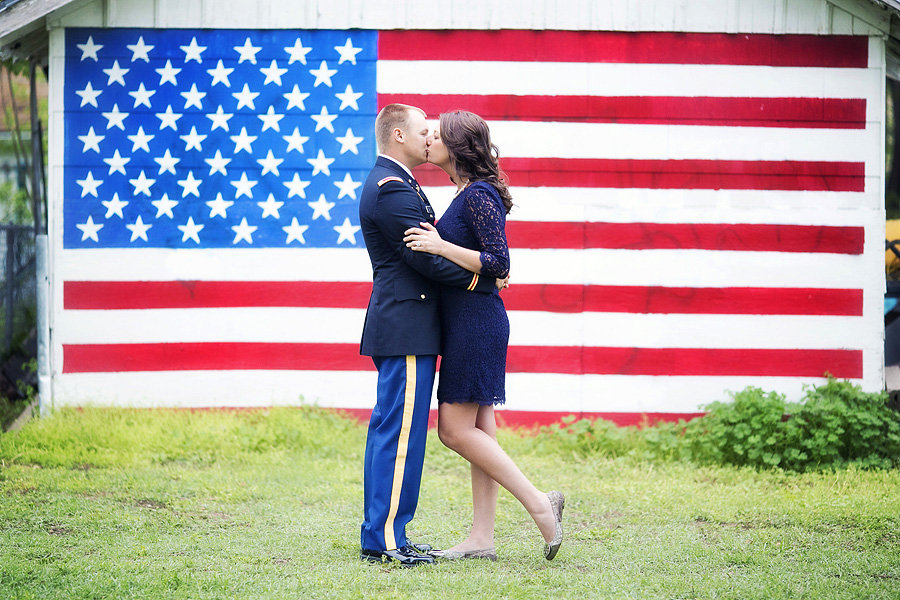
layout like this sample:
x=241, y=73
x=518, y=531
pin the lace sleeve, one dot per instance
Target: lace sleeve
x=485, y=214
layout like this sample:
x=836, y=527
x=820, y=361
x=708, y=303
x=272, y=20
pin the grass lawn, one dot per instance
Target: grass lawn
x=104, y=503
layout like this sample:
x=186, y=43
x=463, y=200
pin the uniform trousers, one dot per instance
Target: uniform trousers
x=395, y=448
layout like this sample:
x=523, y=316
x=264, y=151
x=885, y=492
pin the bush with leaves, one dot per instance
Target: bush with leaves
x=836, y=424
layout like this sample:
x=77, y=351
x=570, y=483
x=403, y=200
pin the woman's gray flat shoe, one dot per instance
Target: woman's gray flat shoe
x=486, y=553
x=557, y=502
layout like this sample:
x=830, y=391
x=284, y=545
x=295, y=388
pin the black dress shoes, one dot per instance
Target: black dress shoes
x=407, y=556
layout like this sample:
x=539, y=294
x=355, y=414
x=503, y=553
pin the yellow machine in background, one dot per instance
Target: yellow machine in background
x=892, y=234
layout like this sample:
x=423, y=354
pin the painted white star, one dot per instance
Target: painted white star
x=243, y=186
x=189, y=185
x=190, y=230
x=217, y=163
x=89, y=95
x=349, y=142
x=164, y=206
x=320, y=163
x=295, y=231
x=245, y=97
x=242, y=141
x=116, y=163
x=116, y=74
x=141, y=96
x=115, y=118
x=323, y=74
x=91, y=141
x=89, y=185
x=270, y=207
x=296, y=98
x=296, y=186
x=220, y=75
x=193, y=51
x=273, y=73
x=193, y=97
x=89, y=229
x=243, y=232
x=168, y=119
x=219, y=119
x=295, y=141
x=167, y=162
x=193, y=140
x=347, y=186
x=140, y=50
x=270, y=163
x=321, y=208
x=349, y=98
x=114, y=207
x=89, y=50
x=323, y=120
x=347, y=232
x=167, y=74
x=247, y=51
x=140, y=140
x=219, y=206
x=270, y=119
x=142, y=184
x=138, y=229
x=348, y=52
x=297, y=52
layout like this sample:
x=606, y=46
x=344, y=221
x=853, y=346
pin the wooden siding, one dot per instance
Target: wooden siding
x=728, y=16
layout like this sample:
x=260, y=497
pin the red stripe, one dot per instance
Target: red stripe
x=684, y=361
x=119, y=295
x=684, y=300
x=105, y=358
x=706, y=236
x=531, y=419
x=693, y=174
x=836, y=113
x=88, y=295
x=626, y=47
x=102, y=358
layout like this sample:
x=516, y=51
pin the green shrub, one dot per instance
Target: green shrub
x=836, y=424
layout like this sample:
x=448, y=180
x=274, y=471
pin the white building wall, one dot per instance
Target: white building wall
x=728, y=16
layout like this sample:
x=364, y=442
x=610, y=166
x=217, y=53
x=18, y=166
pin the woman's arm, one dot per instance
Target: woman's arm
x=427, y=239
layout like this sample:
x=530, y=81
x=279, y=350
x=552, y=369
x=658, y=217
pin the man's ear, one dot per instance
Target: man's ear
x=397, y=134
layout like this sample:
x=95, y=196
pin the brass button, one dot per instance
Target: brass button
x=422, y=296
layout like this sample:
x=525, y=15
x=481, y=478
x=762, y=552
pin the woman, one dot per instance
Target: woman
x=475, y=333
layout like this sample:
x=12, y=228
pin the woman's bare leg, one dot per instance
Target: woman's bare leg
x=484, y=493
x=458, y=430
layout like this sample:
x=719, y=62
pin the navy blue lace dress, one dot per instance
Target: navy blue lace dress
x=474, y=327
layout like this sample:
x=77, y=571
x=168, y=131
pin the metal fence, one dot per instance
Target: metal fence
x=18, y=311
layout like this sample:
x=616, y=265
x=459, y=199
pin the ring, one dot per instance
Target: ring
x=418, y=244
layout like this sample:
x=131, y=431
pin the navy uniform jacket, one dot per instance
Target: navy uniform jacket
x=402, y=317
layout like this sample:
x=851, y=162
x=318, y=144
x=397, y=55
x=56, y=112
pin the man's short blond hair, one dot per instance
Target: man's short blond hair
x=391, y=117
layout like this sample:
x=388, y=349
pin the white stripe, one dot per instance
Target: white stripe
x=692, y=268
x=276, y=325
x=680, y=142
x=622, y=79
x=683, y=206
x=704, y=268
x=251, y=264
x=356, y=389
x=634, y=393
x=527, y=328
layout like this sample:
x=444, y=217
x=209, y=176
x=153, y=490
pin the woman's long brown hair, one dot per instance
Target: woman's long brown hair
x=474, y=156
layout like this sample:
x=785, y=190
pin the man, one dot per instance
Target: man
x=401, y=333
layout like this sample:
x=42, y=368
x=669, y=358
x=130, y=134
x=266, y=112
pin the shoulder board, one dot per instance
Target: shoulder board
x=390, y=178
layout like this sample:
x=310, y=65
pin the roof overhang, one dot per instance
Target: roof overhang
x=23, y=28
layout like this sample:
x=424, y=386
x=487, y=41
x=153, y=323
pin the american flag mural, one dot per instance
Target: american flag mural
x=695, y=213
